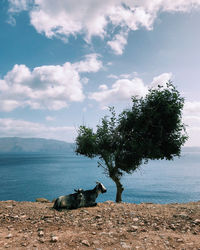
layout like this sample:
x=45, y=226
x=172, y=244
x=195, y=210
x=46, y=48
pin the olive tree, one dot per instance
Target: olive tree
x=151, y=129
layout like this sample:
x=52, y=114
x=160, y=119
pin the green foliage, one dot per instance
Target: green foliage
x=151, y=129
x=86, y=142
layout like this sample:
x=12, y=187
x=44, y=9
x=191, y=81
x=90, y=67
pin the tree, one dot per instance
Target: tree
x=152, y=129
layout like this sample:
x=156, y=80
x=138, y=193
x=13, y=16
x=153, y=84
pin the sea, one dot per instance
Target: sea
x=27, y=176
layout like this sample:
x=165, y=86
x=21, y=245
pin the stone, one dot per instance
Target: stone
x=9, y=236
x=42, y=200
x=84, y=211
x=54, y=238
x=133, y=229
x=40, y=233
x=197, y=221
x=179, y=240
x=22, y=216
x=10, y=206
x=124, y=245
x=86, y=243
x=41, y=240
x=172, y=226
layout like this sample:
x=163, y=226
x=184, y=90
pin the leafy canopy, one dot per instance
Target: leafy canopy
x=151, y=129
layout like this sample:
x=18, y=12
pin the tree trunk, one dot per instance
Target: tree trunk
x=120, y=189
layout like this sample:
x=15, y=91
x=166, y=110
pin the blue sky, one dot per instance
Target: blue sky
x=62, y=63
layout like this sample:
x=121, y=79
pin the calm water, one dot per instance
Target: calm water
x=29, y=176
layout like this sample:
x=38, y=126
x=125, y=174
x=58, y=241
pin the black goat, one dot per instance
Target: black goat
x=81, y=198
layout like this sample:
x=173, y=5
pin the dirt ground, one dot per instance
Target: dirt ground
x=34, y=225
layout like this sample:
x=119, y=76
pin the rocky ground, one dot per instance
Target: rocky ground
x=35, y=225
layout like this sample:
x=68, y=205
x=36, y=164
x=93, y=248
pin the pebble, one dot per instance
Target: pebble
x=133, y=228
x=41, y=240
x=124, y=245
x=172, y=226
x=42, y=200
x=9, y=236
x=23, y=244
x=84, y=211
x=179, y=240
x=86, y=243
x=197, y=221
x=22, y=216
x=54, y=238
x=40, y=233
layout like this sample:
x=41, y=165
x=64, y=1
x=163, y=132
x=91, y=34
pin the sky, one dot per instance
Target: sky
x=64, y=62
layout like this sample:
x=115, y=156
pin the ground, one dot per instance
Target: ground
x=35, y=225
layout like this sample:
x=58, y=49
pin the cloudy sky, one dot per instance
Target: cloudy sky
x=62, y=63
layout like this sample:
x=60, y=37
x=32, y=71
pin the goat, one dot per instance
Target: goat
x=81, y=198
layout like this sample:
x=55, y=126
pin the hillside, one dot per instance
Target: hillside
x=33, y=225
x=33, y=145
x=40, y=145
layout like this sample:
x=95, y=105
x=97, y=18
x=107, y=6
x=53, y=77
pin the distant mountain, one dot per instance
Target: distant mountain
x=40, y=145
x=33, y=145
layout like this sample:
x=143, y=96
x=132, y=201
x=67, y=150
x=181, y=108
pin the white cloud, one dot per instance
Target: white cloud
x=112, y=76
x=90, y=64
x=118, y=43
x=161, y=80
x=46, y=87
x=20, y=128
x=50, y=118
x=9, y=105
x=123, y=76
x=121, y=90
x=192, y=108
x=63, y=18
x=109, y=64
x=103, y=87
x=85, y=80
x=19, y=5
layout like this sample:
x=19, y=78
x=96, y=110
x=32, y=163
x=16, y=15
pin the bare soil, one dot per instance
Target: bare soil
x=35, y=225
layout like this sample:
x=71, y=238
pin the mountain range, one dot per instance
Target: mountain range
x=40, y=145
x=33, y=145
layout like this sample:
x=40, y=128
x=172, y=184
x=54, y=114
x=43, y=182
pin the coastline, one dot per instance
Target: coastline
x=35, y=225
